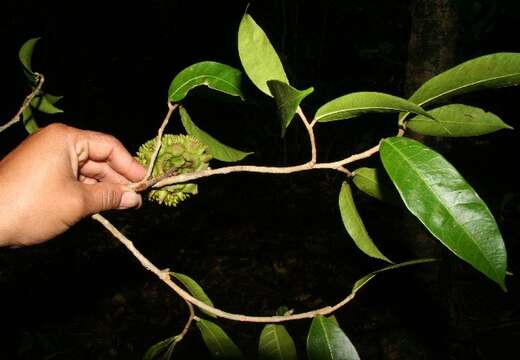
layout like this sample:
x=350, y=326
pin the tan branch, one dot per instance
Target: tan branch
x=310, y=131
x=39, y=83
x=178, y=338
x=165, y=277
x=158, y=139
x=337, y=165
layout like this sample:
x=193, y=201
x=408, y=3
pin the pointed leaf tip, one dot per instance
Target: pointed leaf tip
x=287, y=100
x=354, y=225
x=457, y=120
x=258, y=57
x=434, y=191
x=218, y=150
x=25, y=54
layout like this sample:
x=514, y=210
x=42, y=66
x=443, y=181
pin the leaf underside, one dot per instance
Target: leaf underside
x=218, y=150
x=457, y=120
x=212, y=74
x=258, y=57
x=354, y=225
x=359, y=103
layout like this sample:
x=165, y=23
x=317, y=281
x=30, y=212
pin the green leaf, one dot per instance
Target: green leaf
x=287, y=100
x=25, y=55
x=276, y=344
x=158, y=349
x=489, y=71
x=434, y=191
x=457, y=120
x=218, y=150
x=326, y=341
x=354, y=225
x=375, y=183
x=194, y=289
x=53, y=99
x=44, y=104
x=218, y=342
x=359, y=103
x=258, y=57
x=28, y=120
x=212, y=74
x=365, y=279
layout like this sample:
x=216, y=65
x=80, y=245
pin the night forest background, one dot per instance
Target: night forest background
x=256, y=242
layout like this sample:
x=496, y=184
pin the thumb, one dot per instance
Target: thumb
x=106, y=196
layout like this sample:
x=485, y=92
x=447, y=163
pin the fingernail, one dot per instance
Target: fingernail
x=129, y=200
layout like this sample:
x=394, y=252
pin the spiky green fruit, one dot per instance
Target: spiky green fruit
x=183, y=153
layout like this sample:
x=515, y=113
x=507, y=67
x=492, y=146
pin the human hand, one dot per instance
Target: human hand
x=59, y=175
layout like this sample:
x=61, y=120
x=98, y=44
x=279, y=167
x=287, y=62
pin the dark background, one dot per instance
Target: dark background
x=254, y=242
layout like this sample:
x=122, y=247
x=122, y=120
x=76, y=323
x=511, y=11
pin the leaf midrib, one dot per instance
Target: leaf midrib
x=359, y=109
x=181, y=87
x=476, y=83
x=446, y=208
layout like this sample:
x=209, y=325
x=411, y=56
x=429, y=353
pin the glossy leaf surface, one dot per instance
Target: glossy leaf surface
x=435, y=192
x=376, y=183
x=359, y=103
x=258, y=57
x=218, y=342
x=326, y=341
x=457, y=120
x=488, y=71
x=287, y=100
x=276, y=344
x=194, y=289
x=212, y=74
x=354, y=225
x=218, y=150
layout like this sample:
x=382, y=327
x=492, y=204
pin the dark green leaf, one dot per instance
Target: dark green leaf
x=354, y=225
x=218, y=342
x=457, y=120
x=218, y=150
x=375, y=183
x=194, y=289
x=359, y=103
x=276, y=344
x=287, y=100
x=28, y=120
x=326, y=341
x=258, y=57
x=158, y=349
x=489, y=71
x=435, y=192
x=212, y=74
x=44, y=104
x=25, y=55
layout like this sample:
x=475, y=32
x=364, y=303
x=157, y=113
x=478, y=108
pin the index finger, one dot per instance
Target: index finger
x=106, y=148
